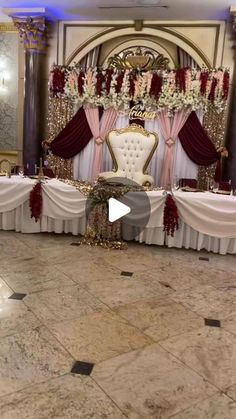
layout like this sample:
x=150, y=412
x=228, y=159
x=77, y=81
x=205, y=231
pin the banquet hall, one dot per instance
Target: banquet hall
x=117, y=209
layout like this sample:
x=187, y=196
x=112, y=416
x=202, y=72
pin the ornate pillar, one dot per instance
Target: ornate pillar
x=33, y=31
x=231, y=134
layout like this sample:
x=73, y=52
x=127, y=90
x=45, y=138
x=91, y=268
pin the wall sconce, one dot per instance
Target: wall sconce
x=3, y=81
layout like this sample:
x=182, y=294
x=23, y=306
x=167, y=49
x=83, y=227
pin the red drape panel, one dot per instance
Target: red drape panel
x=198, y=146
x=74, y=137
x=196, y=142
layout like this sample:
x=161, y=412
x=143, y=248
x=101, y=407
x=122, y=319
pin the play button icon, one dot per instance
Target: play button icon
x=116, y=210
x=114, y=199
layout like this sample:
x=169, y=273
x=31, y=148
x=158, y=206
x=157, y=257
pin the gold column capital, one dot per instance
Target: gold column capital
x=33, y=32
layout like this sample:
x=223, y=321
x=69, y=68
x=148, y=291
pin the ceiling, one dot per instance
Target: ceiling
x=127, y=9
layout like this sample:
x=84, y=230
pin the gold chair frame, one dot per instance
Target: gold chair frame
x=8, y=172
x=137, y=129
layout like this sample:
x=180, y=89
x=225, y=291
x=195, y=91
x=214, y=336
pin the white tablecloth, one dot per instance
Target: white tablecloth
x=63, y=207
x=207, y=221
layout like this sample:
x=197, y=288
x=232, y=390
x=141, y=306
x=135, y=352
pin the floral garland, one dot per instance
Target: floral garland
x=36, y=201
x=171, y=216
x=155, y=90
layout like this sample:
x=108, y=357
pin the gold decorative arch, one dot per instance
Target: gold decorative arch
x=160, y=32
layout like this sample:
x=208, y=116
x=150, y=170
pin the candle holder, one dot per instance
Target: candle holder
x=40, y=170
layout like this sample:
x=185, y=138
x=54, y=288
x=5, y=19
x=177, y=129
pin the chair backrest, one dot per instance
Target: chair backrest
x=5, y=166
x=192, y=183
x=16, y=168
x=224, y=186
x=131, y=149
x=47, y=171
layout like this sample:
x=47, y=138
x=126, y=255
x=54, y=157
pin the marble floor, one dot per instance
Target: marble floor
x=86, y=332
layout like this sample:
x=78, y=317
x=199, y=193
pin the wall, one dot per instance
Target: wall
x=8, y=91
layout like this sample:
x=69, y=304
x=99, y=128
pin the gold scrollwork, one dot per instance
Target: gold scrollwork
x=142, y=59
x=132, y=128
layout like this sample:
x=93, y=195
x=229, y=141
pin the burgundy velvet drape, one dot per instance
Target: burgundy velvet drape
x=74, y=137
x=196, y=142
x=198, y=146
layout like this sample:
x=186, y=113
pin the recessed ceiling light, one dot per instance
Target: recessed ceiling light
x=148, y=2
x=138, y=4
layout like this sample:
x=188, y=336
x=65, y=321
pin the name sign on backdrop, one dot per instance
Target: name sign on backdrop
x=137, y=112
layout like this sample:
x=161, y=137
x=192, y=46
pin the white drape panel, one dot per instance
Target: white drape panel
x=189, y=238
x=183, y=166
x=185, y=60
x=83, y=162
x=155, y=166
x=19, y=220
x=121, y=122
x=90, y=59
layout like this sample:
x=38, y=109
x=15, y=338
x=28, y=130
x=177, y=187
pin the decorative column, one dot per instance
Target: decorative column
x=231, y=134
x=33, y=31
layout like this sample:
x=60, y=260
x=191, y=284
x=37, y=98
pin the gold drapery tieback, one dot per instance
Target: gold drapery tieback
x=99, y=140
x=169, y=142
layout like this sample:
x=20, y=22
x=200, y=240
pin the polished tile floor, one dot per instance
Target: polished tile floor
x=148, y=332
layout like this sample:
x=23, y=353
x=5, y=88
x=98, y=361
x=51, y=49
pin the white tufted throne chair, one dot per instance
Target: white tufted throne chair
x=131, y=149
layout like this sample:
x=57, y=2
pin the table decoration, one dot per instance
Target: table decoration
x=100, y=231
x=36, y=201
x=171, y=216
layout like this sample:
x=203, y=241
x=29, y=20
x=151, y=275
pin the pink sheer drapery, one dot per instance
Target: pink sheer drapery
x=92, y=115
x=170, y=127
x=99, y=132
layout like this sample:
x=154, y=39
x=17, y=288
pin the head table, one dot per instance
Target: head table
x=207, y=220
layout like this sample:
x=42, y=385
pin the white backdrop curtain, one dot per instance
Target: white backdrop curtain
x=183, y=166
x=83, y=162
x=90, y=59
x=185, y=60
x=121, y=122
